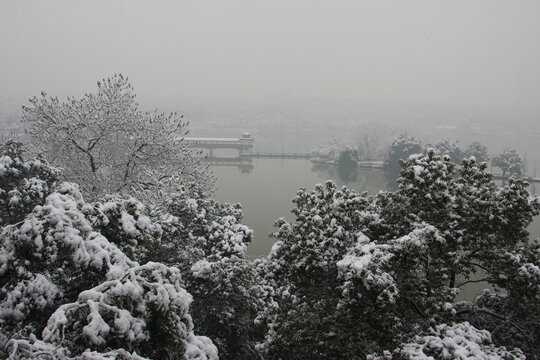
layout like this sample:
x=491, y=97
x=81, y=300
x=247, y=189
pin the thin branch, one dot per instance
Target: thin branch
x=418, y=309
x=476, y=310
x=481, y=267
x=473, y=281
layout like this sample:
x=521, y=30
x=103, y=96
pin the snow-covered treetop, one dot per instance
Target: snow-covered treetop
x=68, y=269
x=23, y=184
x=452, y=341
x=107, y=145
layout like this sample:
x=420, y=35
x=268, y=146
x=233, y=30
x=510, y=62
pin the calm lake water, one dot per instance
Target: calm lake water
x=266, y=187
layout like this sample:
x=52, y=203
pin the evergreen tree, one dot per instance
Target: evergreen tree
x=206, y=240
x=357, y=275
x=23, y=184
x=509, y=162
x=400, y=149
x=70, y=286
x=446, y=147
x=478, y=150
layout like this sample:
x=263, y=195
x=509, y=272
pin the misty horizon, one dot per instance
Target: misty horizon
x=459, y=70
x=468, y=54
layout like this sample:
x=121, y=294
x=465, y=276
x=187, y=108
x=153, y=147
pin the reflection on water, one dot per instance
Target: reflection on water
x=371, y=180
x=265, y=187
x=244, y=164
x=266, y=190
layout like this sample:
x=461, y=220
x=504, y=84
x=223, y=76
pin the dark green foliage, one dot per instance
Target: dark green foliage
x=305, y=320
x=400, y=149
x=49, y=258
x=205, y=239
x=227, y=298
x=451, y=341
x=355, y=275
x=196, y=227
x=511, y=317
x=509, y=162
x=23, y=184
x=144, y=310
x=447, y=148
x=478, y=150
x=124, y=221
x=60, y=274
x=348, y=165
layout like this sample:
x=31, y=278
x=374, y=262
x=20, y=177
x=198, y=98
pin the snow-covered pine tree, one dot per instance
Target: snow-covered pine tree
x=401, y=148
x=207, y=241
x=23, y=184
x=449, y=148
x=455, y=341
x=355, y=275
x=302, y=317
x=68, y=288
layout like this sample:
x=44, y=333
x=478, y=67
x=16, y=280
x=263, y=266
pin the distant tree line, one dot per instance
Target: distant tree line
x=508, y=161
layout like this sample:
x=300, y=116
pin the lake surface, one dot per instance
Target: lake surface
x=266, y=187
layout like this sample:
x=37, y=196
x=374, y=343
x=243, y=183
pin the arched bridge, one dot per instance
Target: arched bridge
x=244, y=144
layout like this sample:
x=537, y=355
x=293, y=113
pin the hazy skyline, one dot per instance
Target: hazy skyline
x=466, y=53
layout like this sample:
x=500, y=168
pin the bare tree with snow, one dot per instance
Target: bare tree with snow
x=107, y=144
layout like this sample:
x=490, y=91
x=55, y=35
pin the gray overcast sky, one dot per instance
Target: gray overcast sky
x=467, y=52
